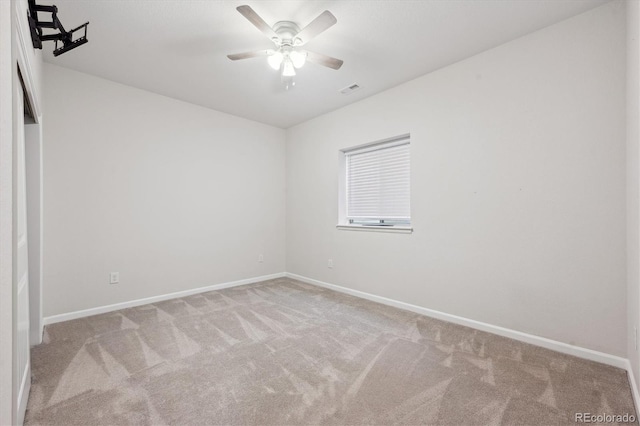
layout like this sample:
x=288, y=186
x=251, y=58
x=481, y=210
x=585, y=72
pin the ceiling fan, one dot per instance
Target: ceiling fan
x=288, y=54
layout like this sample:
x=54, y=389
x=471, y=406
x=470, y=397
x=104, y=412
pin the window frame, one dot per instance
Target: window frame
x=375, y=225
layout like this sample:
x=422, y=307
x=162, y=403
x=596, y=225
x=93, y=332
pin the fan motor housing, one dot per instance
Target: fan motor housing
x=287, y=31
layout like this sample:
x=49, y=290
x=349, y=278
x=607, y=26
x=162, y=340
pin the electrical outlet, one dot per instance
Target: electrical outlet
x=114, y=277
x=260, y=258
x=330, y=263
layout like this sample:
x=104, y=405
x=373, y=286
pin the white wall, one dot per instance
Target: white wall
x=633, y=181
x=518, y=187
x=171, y=195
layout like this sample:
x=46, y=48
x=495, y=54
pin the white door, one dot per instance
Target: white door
x=21, y=350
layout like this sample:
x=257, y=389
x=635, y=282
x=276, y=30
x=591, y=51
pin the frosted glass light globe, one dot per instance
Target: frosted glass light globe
x=275, y=60
x=298, y=58
x=288, y=70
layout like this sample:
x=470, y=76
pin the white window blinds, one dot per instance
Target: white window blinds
x=377, y=182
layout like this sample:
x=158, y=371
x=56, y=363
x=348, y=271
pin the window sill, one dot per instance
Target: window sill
x=373, y=228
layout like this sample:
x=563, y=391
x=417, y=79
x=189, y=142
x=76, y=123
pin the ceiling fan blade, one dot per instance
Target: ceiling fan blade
x=327, y=61
x=316, y=27
x=247, y=55
x=257, y=21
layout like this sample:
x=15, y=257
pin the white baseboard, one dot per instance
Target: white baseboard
x=634, y=386
x=129, y=304
x=554, y=345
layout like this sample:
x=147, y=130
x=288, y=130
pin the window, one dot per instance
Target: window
x=375, y=185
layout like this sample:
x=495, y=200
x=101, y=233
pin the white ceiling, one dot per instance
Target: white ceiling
x=178, y=48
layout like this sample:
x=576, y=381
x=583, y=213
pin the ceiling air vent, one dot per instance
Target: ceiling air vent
x=349, y=89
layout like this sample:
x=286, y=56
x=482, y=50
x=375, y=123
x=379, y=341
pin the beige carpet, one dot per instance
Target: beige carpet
x=283, y=352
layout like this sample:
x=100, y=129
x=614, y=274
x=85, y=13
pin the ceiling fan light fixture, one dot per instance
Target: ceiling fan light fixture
x=288, y=39
x=298, y=58
x=288, y=69
x=275, y=60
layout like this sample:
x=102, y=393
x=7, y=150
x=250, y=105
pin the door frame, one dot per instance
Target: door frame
x=34, y=170
x=21, y=331
x=23, y=75
x=6, y=210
